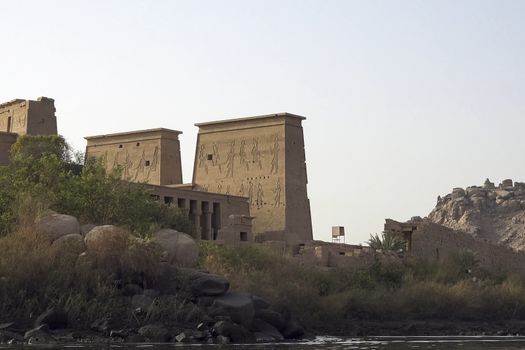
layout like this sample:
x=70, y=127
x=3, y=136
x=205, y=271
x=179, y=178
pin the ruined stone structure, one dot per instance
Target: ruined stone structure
x=425, y=239
x=25, y=117
x=337, y=255
x=249, y=170
x=261, y=158
x=488, y=213
x=249, y=181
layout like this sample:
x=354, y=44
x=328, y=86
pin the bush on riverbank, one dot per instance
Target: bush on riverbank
x=452, y=289
x=35, y=275
x=43, y=171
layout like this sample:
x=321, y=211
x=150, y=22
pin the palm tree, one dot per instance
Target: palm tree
x=386, y=242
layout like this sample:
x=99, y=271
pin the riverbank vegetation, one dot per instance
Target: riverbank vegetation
x=389, y=290
x=44, y=175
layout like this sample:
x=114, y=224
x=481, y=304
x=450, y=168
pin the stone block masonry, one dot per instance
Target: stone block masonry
x=261, y=158
x=151, y=156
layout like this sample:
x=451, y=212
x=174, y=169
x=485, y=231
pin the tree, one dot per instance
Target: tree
x=44, y=169
x=386, y=242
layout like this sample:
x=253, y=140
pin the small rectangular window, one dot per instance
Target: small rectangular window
x=147, y=163
x=244, y=236
x=119, y=146
x=210, y=156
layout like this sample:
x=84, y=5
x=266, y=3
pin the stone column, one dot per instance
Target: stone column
x=207, y=230
x=197, y=216
x=185, y=206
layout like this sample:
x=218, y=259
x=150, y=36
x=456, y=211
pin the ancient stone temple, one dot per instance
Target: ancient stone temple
x=261, y=158
x=151, y=156
x=25, y=117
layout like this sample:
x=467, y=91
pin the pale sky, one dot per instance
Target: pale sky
x=405, y=99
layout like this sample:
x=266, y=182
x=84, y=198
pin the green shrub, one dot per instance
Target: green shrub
x=44, y=169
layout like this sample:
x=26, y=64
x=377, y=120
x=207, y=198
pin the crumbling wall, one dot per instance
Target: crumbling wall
x=434, y=241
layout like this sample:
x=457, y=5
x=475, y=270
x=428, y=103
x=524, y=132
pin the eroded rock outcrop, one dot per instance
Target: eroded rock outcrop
x=491, y=213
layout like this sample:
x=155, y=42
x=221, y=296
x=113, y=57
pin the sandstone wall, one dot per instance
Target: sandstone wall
x=261, y=158
x=430, y=240
x=26, y=117
x=208, y=211
x=149, y=156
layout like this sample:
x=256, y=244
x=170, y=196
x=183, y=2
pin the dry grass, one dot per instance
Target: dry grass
x=35, y=276
x=454, y=289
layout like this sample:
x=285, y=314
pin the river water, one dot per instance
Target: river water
x=326, y=343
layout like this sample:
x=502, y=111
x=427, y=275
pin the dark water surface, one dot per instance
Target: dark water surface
x=327, y=343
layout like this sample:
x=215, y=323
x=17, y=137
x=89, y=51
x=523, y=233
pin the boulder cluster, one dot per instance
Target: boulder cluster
x=491, y=213
x=207, y=311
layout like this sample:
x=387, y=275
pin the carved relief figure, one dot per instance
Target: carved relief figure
x=116, y=163
x=155, y=160
x=140, y=166
x=277, y=194
x=219, y=188
x=128, y=164
x=275, y=156
x=259, y=201
x=256, y=154
x=242, y=155
x=216, y=157
x=203, y=158
x=20, y=121
x=229, y=160
x=228, y=189
x=250, y=193
x=241, y=189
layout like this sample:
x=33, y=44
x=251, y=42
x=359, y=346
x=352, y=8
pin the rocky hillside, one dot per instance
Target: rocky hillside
x=492, y=213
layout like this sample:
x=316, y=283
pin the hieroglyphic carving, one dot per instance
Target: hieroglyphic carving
x=277, y=194
x=250, y=193
x=216, y=157
x=242, y=155
x=203, y=158
x=128, y=164
x=104, y=160
x=241, y=189
x=116, y=161
x=155, y=159
x=275, y=156
x=256, y=154
x=141, y=166
x=259, y=201
x=20, y=121
x=229, y=160
x=219, y=188
x=228, y=189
